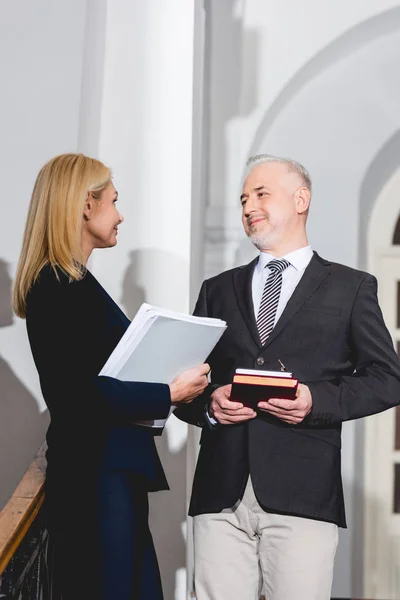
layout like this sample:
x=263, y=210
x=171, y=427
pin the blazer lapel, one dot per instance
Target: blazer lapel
x=242, y=283
x=315, y=273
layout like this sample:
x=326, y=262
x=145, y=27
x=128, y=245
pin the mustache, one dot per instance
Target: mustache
x=252, y=218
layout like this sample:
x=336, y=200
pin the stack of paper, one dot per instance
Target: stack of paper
x=159, y=344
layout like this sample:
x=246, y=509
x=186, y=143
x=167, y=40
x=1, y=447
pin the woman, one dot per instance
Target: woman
x=100, y=466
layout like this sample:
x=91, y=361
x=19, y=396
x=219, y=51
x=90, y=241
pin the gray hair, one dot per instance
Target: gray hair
x=292, y=166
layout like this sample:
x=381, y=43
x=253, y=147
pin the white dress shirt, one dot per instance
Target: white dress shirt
x=298, y=259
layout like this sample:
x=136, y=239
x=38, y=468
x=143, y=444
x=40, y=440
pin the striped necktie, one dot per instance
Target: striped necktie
x=270, y=298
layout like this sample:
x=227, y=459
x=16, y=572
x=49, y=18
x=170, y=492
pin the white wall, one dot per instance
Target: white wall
x=40, y=69
x=319, y=82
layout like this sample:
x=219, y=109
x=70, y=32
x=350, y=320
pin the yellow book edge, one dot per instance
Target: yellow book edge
x=265, y=381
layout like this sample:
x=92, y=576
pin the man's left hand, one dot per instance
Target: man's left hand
x=290, y=411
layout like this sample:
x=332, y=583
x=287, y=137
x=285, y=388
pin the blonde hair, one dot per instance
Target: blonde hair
x=54, y=223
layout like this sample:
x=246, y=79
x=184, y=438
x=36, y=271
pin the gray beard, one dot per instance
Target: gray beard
x=261, y=241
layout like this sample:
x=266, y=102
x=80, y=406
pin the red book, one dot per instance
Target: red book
x=252, y=386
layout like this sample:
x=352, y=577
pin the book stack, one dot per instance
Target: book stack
x=251, y=386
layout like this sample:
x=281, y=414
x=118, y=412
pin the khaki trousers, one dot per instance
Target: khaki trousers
x=239, y=549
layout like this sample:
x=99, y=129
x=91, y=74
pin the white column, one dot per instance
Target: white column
x=231, y=49
x=148, y=69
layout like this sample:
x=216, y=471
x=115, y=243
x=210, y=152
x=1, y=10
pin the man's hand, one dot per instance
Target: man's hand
x=290, y=411
x=227, y=412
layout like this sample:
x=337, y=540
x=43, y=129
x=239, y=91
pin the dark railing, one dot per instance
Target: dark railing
x=26, y=555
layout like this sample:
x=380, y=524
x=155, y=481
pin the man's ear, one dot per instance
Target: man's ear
x=303, y=198
x=88, y=208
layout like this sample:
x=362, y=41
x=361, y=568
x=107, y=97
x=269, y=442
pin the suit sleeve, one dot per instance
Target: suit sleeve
x=195, y=412
x=125, y=400
x=374, y=385
x=64, y=337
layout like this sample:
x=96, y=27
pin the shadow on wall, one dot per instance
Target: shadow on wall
x=22, y=425
x=158, y=277
x=232, y=52
x=133, y=294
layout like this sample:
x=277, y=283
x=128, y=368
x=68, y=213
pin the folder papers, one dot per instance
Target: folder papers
x=251, y=386
x=159, y=344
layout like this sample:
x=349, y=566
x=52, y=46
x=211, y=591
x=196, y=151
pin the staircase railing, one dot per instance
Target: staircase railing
x=25, y=552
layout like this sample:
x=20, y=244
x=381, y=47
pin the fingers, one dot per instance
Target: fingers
x=288, y=416
x=281, y=403
x=204, y=369
x=290, y=411
x=240, y=412
x=292, y=419
x=228, y=412
x=199, y=386
x=199, y=370
x=189, y=384
x=227, y=406
x=230, y=419
x=222, y=392
x=224, y=402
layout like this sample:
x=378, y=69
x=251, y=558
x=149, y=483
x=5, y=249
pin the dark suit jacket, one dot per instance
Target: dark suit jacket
x=73, y=328
x=331, y=335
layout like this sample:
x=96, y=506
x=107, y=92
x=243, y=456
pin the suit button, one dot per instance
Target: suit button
x=260, y=361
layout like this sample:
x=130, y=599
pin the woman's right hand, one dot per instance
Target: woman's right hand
x=189, y=384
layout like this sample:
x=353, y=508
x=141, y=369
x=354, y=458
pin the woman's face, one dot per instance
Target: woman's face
x=101, y=220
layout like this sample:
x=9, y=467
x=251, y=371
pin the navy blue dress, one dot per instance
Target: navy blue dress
x=100, y=466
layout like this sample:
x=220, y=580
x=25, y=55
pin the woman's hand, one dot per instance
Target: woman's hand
x=189, y=384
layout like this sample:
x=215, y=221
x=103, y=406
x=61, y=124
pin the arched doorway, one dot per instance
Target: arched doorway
x=382, y=432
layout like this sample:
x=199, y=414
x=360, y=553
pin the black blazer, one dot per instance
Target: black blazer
x=332, y=336
x=73, y=327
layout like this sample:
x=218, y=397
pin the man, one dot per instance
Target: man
x=267, y=491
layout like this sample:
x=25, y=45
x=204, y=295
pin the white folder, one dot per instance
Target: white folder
x=159, y=344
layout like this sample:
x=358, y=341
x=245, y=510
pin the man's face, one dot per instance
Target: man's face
x=269, y=205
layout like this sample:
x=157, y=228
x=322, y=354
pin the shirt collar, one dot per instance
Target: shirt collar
x=298, y=259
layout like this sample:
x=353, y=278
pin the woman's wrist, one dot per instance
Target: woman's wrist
x=174, y=393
